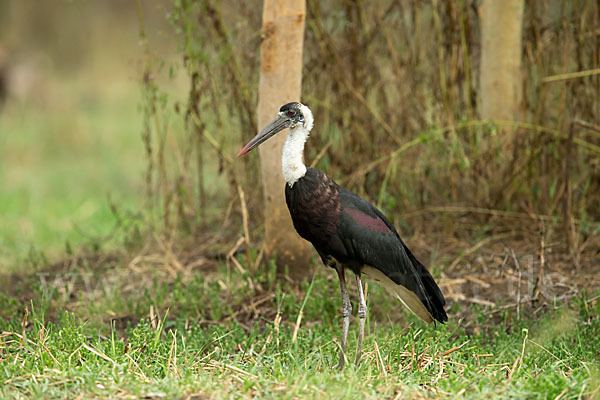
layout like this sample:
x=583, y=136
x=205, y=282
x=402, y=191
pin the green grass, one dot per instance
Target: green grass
x=70, y=142
x=62, y=163
x=209, y=342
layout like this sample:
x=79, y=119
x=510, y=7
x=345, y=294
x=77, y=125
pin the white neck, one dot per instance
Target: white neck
x=291, y=161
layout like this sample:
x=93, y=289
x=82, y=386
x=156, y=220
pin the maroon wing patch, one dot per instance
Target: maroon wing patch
x=375, y=224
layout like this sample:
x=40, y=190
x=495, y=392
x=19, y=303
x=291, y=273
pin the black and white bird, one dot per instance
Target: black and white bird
x=347, y=231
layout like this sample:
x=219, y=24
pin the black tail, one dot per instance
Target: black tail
x=433, y=299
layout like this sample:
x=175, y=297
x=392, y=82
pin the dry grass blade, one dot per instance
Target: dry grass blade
x=452, y=350
x=518, y=361
x=380, y=359
x=297, y=326
x=550, y=353
x=301, y=312
x=274, y=331
x=172, y=361
x=24, y=324
x=561, y=394
x=423, y=358
x=98, y=353
x=215, y=363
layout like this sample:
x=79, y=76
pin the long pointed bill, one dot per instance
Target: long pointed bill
x=277, y=125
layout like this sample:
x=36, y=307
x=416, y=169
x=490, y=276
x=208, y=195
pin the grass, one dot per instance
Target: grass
x=61, y=170
x=208, y=337
x=71, y=128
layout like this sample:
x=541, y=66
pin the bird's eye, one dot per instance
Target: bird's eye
x=291, y=112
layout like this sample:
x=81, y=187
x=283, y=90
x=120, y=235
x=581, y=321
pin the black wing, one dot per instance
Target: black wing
x=369, y=238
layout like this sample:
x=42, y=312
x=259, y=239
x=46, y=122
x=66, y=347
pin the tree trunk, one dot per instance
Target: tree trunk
x=280, y=82
x=501, y=33
x=3, y=76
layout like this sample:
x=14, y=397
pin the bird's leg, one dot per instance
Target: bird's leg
x=362, y=316
x=346, y=311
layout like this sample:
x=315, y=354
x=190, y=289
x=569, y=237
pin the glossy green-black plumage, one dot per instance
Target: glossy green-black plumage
x=354, y=232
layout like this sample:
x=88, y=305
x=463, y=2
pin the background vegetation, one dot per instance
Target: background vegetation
x=394, y=88
x=122, y=239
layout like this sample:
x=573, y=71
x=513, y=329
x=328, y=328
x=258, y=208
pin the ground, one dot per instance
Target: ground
x=178, y=325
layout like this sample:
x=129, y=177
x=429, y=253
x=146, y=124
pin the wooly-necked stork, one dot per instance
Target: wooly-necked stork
x=347, y=231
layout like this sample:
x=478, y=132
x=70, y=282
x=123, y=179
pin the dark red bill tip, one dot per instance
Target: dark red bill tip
x=244, y=150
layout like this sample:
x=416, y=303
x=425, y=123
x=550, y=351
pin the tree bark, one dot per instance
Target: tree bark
x=282, y=35
x=500, y=76
x=3, y=76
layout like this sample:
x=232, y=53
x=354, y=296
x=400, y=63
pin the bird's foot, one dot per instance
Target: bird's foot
x=362, y=316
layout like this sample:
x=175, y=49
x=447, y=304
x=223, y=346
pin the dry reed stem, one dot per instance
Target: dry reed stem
x=587, y=125
x=325, y=42
x=394, y=89
x=321, y=154
x=517, y=125
x=245, y=225
x=440, y=53
x=567, y=203
x=213, y=142
x=540, y=277
x=518, y=283
x=241, y=90
x=489, y=211
x=362, y=170
x=571, y=75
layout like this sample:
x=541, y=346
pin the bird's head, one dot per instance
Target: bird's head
x=295, y=116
